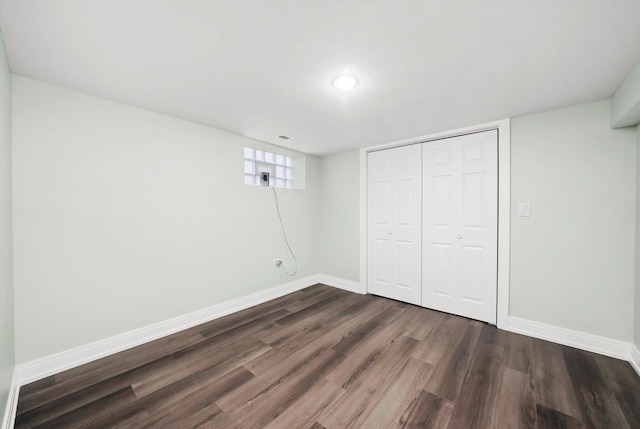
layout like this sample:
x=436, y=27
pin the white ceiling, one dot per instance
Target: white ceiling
x=263, y=68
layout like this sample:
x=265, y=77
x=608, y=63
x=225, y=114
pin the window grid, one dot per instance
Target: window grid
x=280, y=168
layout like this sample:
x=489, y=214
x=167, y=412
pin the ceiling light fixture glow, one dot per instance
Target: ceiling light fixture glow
x=345, y=82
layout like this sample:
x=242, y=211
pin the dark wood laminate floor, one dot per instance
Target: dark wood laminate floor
x=325, y=358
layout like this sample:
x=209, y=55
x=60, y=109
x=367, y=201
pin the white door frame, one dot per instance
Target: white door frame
x=504, y=203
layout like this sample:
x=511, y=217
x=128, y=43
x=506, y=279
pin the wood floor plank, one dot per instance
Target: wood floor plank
x=207, y=415
x=549, y=418
x=217, y=349
x=514, y=405
x=278, y=373
x=220, y=361
x=553, y=384
x=290, y=334
x=282, y=350
x=448, y=330
x=597, y=403
x=418, y=322
x=48, y=410
x=624, y=384
x=223, y=324
x=267, y=404
x=128, y=359
x=215, y=333
x=142, y=409
x=310, y=310
x=92, y=412
x=361, y=360
x=326, y=358
x=497, y=338
x=426, y=411
x=102, y=370
x=368, y=330
x=518, y=353
x=37, y=386
x=369, y=388
x=404, y=389
x=326, y=334
x=316, y=293
x=480, y=389
x=450, y=371
x=308, y=407
x=176, y=407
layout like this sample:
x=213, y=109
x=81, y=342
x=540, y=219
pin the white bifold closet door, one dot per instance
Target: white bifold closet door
x=460, y=225
x=394, y=219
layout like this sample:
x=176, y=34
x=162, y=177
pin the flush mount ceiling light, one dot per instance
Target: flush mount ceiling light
x=345, y=82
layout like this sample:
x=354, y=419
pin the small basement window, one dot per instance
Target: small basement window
x=279, y=167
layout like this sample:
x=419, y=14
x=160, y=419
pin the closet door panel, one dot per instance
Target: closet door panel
x=394, y=223
x=460, y=206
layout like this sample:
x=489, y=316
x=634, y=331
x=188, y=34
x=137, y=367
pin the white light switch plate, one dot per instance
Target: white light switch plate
x=524, y=209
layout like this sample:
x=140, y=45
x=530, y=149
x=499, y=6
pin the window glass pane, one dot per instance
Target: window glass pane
x=268, y=157
x=280, y=166
x=249, y=167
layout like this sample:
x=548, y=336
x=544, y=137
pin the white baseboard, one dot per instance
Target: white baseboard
x=337, y=282
x=53, y=364
x=635, y=358
x=580, y=340
x=12, y=403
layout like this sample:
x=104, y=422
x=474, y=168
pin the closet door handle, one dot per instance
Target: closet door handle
x=389, y=233
x=459, y=236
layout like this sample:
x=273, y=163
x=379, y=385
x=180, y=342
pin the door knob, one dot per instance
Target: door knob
x=389, y=232
x=459, y=236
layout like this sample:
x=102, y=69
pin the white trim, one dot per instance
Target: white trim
x=504, y=221
x=12, y=403
x=568, y=337
x=440, y=135
x=363, y=219
x=504, y=203
x=340, y=283
x=53, y=364
x=634, y=358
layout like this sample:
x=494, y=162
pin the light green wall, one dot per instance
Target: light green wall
x=7, y=353
x=340, y=216
x=572, y=261
x=125, y=218
x=636, y=319
x=625, y=103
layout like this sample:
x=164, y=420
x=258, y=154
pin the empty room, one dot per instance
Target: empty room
x=320, y=214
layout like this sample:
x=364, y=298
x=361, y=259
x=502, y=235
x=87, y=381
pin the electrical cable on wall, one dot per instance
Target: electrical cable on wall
x=284, y=236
